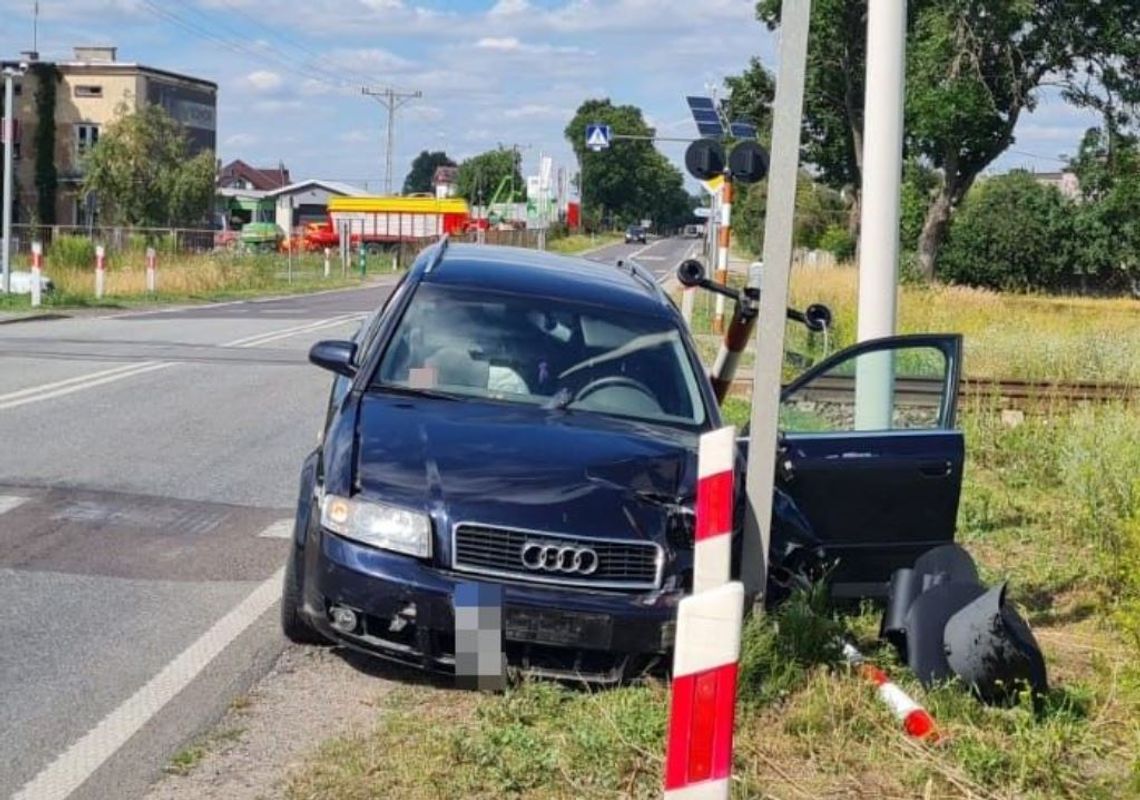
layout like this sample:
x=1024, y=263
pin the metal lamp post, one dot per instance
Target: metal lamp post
x=10, y=73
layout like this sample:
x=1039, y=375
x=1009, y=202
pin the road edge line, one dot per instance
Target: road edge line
x=71, y=769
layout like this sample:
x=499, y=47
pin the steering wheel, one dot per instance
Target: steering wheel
x=613, y=381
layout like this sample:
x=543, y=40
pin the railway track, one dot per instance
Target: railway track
x=1005, y=394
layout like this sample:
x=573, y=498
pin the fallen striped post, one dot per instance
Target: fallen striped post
x=706, y=653
x=915, y=719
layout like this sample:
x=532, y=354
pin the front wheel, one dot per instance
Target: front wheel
x=293, y=623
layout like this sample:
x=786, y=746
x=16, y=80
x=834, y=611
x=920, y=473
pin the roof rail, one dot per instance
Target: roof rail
x=437, y=256
x=642, y=274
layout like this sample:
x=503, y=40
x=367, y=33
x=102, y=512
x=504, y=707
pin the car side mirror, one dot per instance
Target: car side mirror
x=817, y=317
x=334, y=355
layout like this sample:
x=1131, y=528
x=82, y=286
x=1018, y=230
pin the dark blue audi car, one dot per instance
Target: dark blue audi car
x=530, y=421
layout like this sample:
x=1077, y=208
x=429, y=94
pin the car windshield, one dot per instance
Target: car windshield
x=535, y=351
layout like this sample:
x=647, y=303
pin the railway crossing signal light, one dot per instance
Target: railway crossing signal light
x=747, y=163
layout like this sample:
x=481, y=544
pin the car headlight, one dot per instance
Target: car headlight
x=378, y=524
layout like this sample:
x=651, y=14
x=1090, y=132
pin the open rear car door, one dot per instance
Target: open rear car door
x=870, y=455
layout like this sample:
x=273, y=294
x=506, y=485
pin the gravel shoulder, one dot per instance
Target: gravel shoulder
x=311, y=694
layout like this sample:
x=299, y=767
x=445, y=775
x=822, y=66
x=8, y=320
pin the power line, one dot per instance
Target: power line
x=238, y=47
x=392, y=100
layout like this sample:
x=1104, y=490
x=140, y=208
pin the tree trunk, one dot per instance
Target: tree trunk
x=934, y=229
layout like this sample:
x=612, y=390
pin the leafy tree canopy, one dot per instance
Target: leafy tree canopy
x=631, y=180
x=142, y=174
x=423, y=170
x=480, y=176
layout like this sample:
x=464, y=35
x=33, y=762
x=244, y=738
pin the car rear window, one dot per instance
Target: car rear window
x=532, y=350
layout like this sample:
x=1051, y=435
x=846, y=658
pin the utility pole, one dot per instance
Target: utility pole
x=882, y=176
x=391, y=99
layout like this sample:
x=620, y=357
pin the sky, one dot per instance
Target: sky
x=491, y=72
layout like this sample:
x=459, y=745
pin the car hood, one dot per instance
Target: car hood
x=525, y=467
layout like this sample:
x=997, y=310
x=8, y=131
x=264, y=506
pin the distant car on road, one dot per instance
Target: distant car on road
x=530, y=422
x=635, y=233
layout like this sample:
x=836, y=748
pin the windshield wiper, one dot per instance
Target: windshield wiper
x=412, y=391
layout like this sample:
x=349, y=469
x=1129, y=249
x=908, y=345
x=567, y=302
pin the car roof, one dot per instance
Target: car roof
x=534, y=272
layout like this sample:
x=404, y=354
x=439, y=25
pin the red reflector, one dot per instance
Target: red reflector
x=700, y=727
x=920, y=725
x=714, y=505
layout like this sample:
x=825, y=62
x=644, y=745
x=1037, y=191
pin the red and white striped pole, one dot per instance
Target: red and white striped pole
x=915, y=719
x=706, y=653
x=151, y=270
x=37, y=271
x=724, y=240
x=100, y=272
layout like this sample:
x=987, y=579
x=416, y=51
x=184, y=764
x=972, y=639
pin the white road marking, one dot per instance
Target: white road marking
x=281, y=529
x=652, y=258
x=10, y=501
x=75, y=765
x=98, y=379
x=49, y=391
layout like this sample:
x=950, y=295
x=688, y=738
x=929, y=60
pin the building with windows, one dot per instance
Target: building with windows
x=91, y=91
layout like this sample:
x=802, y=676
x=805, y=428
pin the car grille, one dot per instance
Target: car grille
x=498, y=552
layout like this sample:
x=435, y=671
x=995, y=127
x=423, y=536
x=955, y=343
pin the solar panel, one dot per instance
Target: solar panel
x=742, y=130
x=705, y=115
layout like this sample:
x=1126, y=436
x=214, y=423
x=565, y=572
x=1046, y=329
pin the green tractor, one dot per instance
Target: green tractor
x=261, y=237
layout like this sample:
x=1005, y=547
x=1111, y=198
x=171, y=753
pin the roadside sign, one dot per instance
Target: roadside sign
x=598, y=136
x=702, y=213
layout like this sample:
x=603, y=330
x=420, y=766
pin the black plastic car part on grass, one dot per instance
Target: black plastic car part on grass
x=531, y=421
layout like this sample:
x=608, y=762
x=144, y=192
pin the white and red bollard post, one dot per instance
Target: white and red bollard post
x=100, y=271
x=915, y=719
x=37, y=272
x=706, y=652
x=151, y=270
x=328, y=264
x=724, y=242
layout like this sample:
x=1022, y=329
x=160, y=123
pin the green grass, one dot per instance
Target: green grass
x=580, y=242
x=188, y=278
x=188, y=758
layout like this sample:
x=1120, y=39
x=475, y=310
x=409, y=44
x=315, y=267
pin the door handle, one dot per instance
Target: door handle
x=936, y=469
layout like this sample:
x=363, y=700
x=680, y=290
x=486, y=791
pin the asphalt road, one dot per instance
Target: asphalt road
x=659, y=256
x=148, y=470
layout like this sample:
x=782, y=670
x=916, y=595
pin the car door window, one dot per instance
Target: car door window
x=902, y=387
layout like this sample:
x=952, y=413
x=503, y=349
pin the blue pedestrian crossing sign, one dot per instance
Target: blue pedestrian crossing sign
x=598, y=136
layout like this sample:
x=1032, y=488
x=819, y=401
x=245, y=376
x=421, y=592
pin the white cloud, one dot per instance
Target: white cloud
x=506, y=8
x=357, y=136
x=537, y=111
x=499, y=43
x=241, y=140
x=277, y=106
x=263, y=81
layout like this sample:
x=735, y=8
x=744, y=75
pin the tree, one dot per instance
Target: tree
x=480, y=176
x=750, y=97
x=631, y=180
x=423, y=170
x=1012, y=233
x=973, y=67
x=142, y=173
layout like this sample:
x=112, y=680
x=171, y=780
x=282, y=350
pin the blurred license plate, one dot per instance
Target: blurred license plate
x=559, y=628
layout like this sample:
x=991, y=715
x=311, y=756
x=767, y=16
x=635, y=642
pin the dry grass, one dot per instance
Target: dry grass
x=1006, y=336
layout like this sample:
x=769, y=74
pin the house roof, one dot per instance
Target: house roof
x=263, y=179
x=333, y=187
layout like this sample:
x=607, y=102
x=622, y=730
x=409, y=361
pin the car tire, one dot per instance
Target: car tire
x=293, y=624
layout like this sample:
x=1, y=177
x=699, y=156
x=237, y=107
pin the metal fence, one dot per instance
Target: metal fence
x=121, y=239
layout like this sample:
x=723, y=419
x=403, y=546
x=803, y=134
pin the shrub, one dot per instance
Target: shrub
x=71, y=252
x=838, y=241
x=1011, y=233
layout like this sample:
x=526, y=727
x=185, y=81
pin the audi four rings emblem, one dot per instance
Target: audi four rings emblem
x=566, y=559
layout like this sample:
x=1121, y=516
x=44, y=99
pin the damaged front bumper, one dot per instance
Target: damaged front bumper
x=404, y=612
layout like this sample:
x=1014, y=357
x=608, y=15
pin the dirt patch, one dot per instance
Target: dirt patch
x=310, y=695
